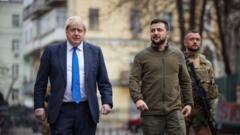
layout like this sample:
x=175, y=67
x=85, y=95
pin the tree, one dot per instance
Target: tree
x=227, y=16
x=229, y=23
x=8, y=80
x=181, y=21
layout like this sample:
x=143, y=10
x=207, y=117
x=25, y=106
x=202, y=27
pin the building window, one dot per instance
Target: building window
x=28, y=34
x=15, y=45
x=94, y=19
x=15, y=20
x=168, y=18
x=15, y=71
x=185, y=5
x=135, y=24
x=61, y=17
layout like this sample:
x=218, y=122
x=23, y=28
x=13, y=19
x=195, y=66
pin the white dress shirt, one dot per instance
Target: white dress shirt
x=68, y=92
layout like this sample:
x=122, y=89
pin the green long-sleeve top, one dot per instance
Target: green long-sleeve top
x=161, y=79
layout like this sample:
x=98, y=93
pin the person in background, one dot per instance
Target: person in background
x=74, y=68
x=205, y=73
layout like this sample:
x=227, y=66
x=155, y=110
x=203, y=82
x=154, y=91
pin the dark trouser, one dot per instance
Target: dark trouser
x=74, y=119
x=170, y=124
x=198, y=122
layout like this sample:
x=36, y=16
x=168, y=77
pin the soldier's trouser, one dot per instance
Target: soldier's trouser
x=170, y=124
x=203, y=131
x=198, y=122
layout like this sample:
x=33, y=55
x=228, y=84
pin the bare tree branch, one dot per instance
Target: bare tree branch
x=224, y=51
x=202, y=17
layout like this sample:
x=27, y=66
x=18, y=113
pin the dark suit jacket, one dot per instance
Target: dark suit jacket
x=53, y=67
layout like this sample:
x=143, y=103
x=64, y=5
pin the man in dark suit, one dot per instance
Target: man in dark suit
x=74, y=68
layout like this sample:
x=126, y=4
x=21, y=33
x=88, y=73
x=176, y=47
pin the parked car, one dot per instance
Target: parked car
x=134, y=124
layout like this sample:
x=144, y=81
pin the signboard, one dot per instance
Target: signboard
x=227, y=113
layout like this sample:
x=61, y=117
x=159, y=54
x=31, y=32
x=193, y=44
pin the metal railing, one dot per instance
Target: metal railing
x=118, y=131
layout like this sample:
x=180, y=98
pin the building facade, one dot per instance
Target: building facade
x=10, y=50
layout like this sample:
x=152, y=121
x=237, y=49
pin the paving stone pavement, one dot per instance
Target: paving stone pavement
x=21, y=131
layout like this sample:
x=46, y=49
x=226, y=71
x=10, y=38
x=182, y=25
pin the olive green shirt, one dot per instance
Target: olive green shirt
x=160, y=78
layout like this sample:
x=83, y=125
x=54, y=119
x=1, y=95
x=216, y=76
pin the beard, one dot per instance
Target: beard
x=194, y=49
x=160, y=42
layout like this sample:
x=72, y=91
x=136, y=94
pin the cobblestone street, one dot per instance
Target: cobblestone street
x=20, y=131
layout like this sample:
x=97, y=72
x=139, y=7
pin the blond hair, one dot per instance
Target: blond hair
x=74, y=20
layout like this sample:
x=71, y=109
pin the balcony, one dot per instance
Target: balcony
x=47, y=29
x=37, y=8
x=55, y=3
x=26, y=12
x=53, y=36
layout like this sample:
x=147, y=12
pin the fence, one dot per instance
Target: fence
x=117, y=131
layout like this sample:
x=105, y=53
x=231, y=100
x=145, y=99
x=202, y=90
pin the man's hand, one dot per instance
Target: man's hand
x=40, y=114
x=141, y=105
x=106, y=109
x=186, y=110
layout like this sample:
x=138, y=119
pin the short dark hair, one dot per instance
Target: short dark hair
x=192, y=31
x=158, y=20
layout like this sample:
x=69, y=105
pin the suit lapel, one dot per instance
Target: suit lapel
x=63, y=59
x=86, y=61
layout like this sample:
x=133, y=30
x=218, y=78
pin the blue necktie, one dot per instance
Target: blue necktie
x=76, y=94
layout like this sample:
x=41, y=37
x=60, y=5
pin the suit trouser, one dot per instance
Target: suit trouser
x=170, y=124
x=74, y=119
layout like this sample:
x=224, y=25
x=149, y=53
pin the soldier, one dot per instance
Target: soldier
x=205, y=74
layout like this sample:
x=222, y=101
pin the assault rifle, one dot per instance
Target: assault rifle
x=201, y=98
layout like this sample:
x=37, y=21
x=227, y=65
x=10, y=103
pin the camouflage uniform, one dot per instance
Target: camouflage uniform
x=206, y=74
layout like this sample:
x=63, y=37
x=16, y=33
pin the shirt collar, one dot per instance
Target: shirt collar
x=156, y=48
x=202, y=59
x=69, y=46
